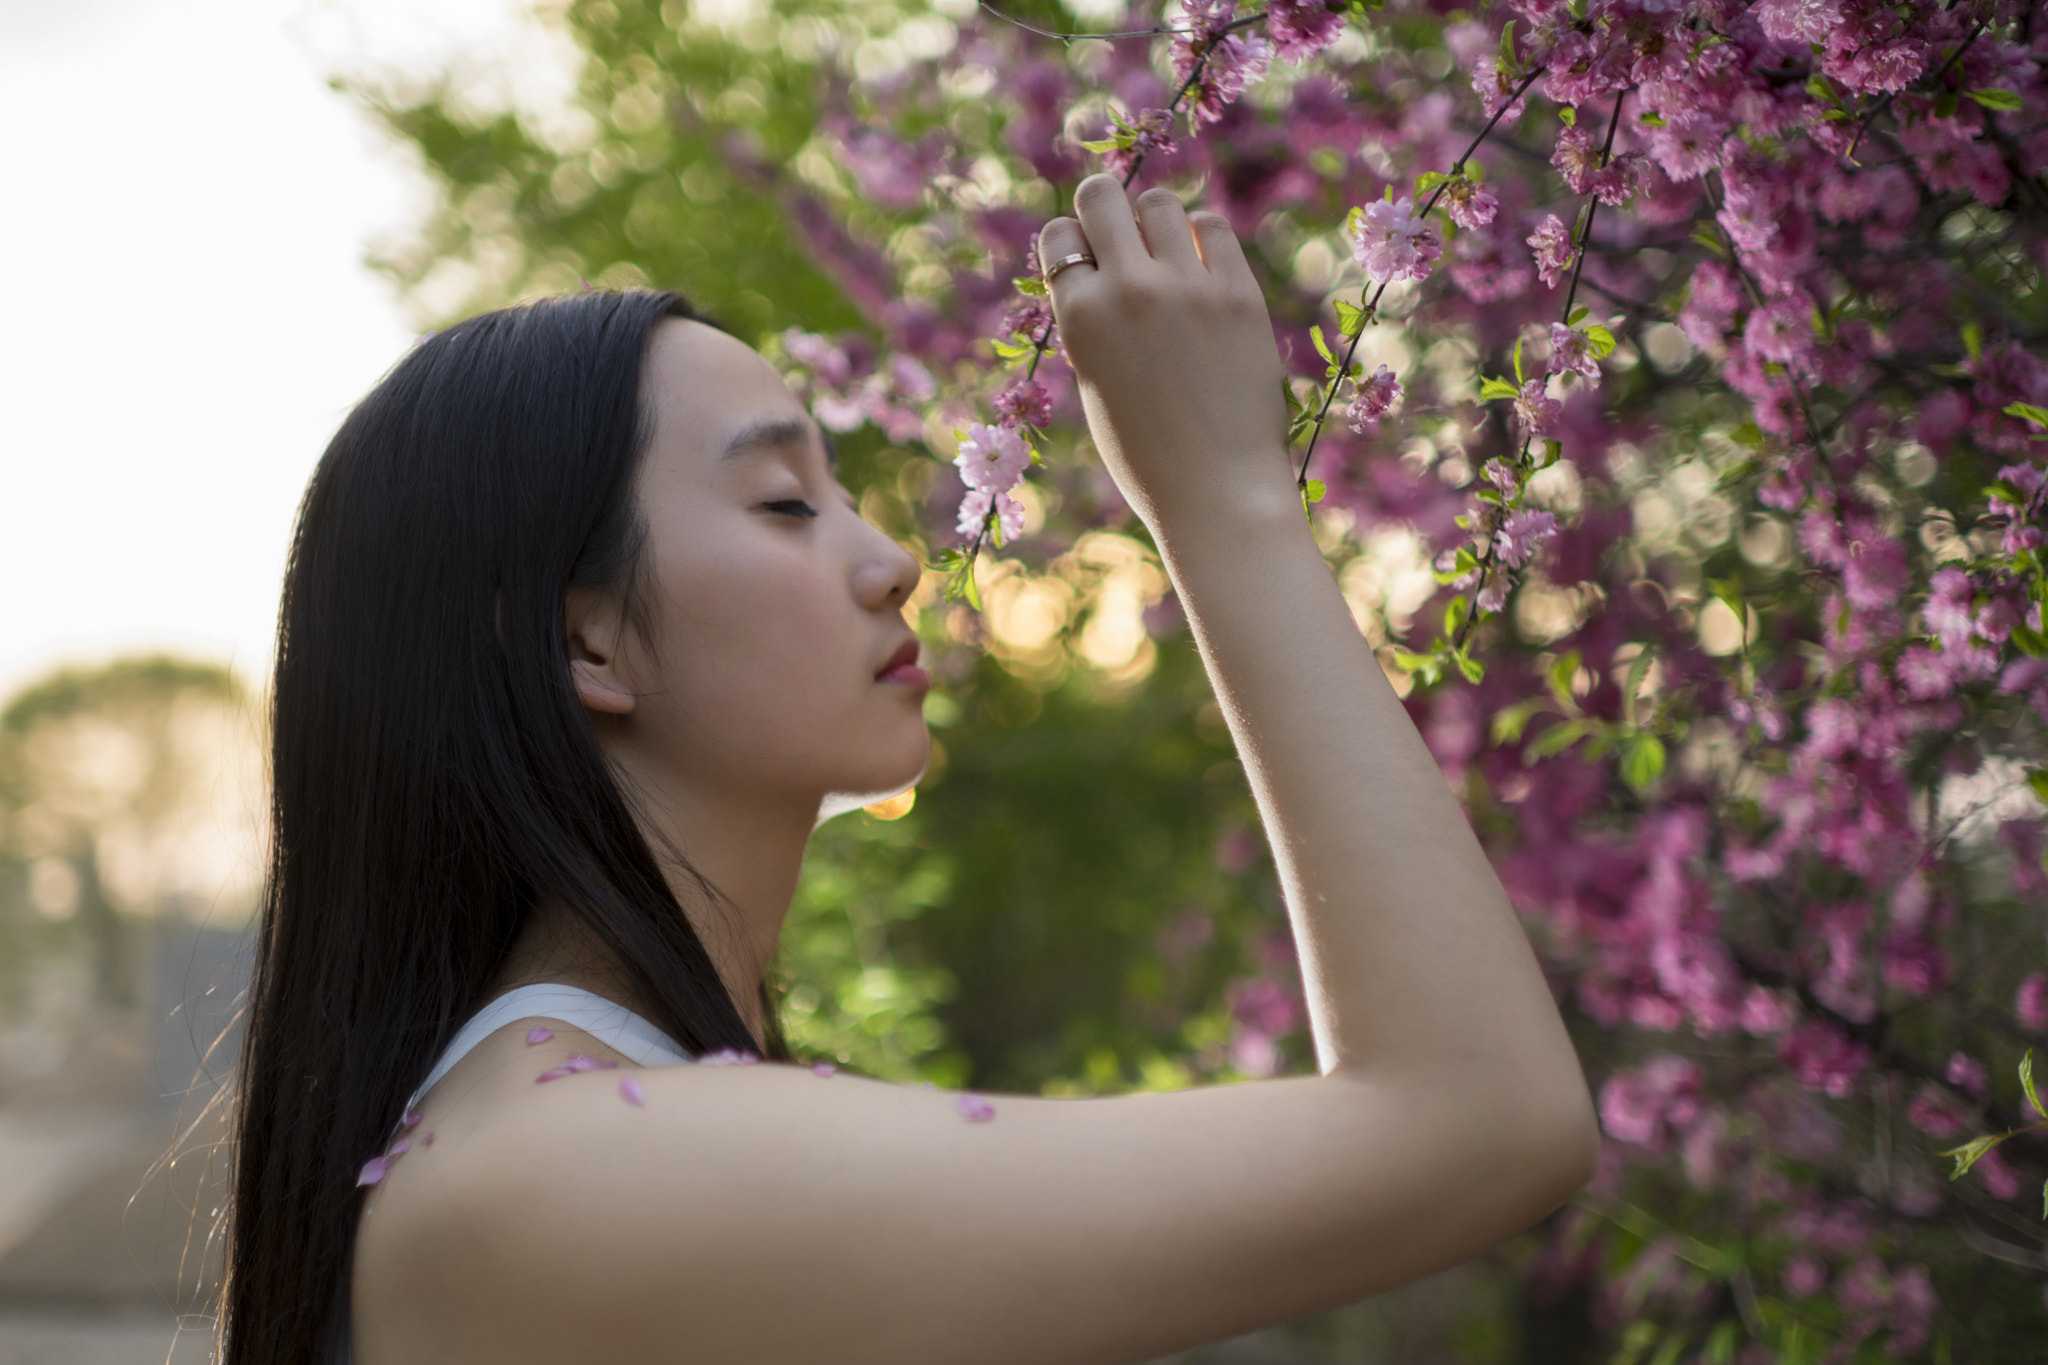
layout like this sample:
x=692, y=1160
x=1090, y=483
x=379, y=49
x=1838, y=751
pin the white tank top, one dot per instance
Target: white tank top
x=617, y=1027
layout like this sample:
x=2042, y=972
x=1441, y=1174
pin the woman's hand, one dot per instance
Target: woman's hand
x=1169, y=336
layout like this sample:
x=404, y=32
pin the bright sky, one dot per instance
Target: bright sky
x=189, y=315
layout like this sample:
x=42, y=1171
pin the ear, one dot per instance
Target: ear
x=596, y=631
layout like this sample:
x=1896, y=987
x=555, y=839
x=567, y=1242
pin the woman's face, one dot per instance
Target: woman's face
x=780, y=666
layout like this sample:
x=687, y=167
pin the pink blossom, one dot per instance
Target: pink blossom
x=1646, y=1106
x=1495, y=85
x=1266, y=1006
x=823, y=1068
x=974, y=1108
x=575, y=1064
x=1537, y=413
x=1024, y=404
x=538, y=1034
x=632, y=1092
x=409, y=1119
x=1150, y=133
x=1571, y=352
x=1805, y=1277
x=1471, y=205
x=377, y=1167
x=1967, y=1073
x=1803, y=21
x=2030, y=1002
x=1998, y=1176
x=728, y=1056
x=975, y=508
x=1824, y=1058
x=1302, y=28
x=1521, y=534
x=1391, y=242
x=1374, y=396
x=992, y=459
x=1934, y=1114
x=1552, y=243
x=1577, y=157
x=1232, y=62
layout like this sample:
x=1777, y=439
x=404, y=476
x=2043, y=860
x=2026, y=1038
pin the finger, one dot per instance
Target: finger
x=1105, y=213
x=1165, y=225
x=1221, y=251
x=1057, y=241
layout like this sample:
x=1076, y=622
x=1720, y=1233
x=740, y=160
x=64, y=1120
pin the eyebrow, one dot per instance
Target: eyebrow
x=780, y=432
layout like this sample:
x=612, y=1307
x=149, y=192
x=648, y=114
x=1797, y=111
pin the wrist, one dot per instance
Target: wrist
x=1249, y=516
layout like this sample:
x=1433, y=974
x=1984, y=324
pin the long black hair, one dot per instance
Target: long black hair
x=434, y=776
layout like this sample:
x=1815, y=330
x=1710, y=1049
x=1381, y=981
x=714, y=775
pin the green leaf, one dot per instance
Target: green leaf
x=1116, y=143
x=958, y=566
x=1991, y=97
x=1429, y=180
x=1463, y=564
x=1012, y=350
x=1315, y=334
x=2032, y=643
x=1030, y=284
x=1570, y=116
x=1599, y=341
x=1642, y=760
x=1555, y=739
x=1651, y=120
x=1638, y=669
x=1578, y=315
x=1408, y=661
x=1945, y=104
x=1520, y=378
x=1736, y=473
x=1710, y=239
x=1749, y=435
x=2027, y=412
x=1315, y=489
x=1998, y=490
x=1508, y=60
x=1973, y=339
x=1553, y=451
x=2027, y=1085
x=1729, y=592
x=1350, y=319
x=1510, y=721
x=1455, y=615
x=1971, y=1152
x=1474, y=671
x=1490, y=389
x=1562, y=670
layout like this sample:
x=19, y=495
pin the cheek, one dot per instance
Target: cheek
x=769, y=647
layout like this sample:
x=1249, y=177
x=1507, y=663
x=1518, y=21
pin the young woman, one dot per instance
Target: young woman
x=581, y=637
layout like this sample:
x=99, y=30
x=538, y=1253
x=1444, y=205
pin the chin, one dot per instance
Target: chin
x=855, y=798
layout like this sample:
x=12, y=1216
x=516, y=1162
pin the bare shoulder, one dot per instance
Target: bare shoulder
x=766, y=1214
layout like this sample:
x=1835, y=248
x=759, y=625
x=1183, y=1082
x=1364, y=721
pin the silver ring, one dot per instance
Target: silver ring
x=1063, y=262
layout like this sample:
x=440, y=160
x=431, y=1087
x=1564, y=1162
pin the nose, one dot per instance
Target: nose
x=887, y=573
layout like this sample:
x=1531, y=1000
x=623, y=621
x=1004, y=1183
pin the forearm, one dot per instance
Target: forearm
x=1410, y=953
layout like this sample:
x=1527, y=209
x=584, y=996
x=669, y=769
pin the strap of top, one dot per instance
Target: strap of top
x=612, y=1024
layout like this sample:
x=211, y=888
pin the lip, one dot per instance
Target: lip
x=902, y=667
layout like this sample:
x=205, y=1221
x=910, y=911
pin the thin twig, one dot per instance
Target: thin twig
x=1372, y=306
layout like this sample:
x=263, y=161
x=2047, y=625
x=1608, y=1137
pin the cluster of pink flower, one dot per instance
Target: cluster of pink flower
x=1754, y=551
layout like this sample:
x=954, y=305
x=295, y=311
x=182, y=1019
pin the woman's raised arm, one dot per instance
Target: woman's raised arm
x=764, y=1214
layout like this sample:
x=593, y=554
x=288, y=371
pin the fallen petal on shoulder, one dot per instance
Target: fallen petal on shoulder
x=538, y=1034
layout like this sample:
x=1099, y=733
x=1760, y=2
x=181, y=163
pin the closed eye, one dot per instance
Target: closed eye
x=791, y=507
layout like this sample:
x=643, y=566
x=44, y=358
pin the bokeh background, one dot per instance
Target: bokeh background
x=226, y=220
